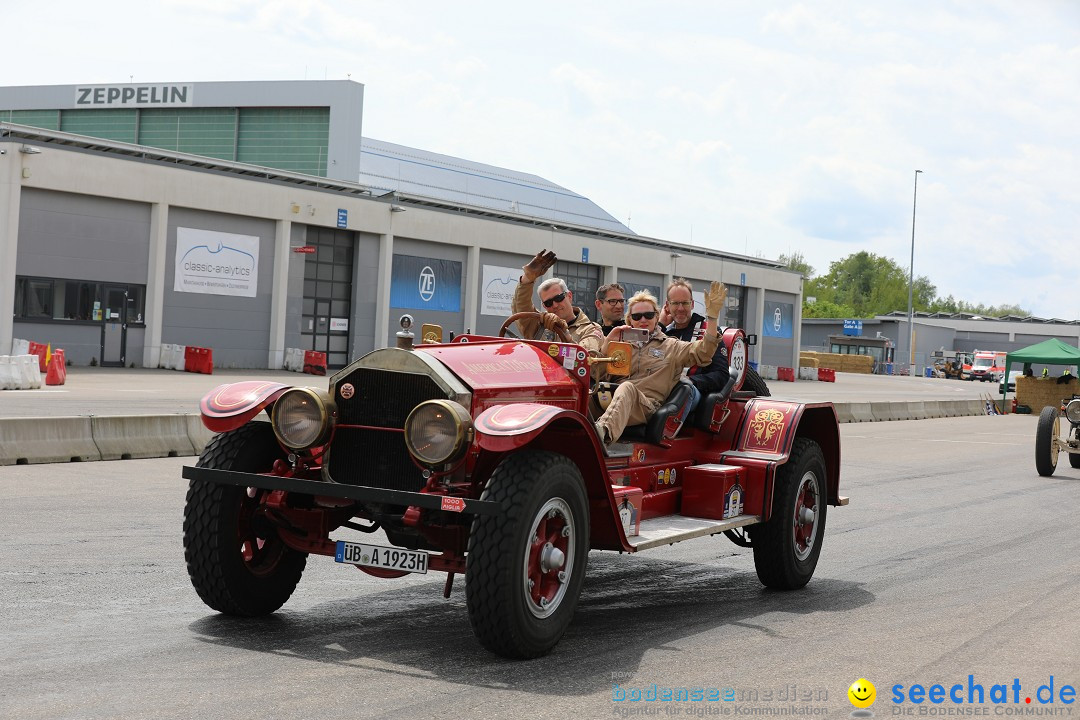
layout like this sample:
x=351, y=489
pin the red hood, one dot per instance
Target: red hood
x=511, y=363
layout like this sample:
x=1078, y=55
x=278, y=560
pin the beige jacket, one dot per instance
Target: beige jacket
x=658, y=364
x=584, y=331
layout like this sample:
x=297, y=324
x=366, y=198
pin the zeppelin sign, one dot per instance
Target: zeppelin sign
x=134, y=96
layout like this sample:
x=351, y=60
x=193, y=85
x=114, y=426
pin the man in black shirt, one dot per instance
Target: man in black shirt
x=688, y=325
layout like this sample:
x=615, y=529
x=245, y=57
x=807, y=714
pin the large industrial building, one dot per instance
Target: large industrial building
x=250, y=217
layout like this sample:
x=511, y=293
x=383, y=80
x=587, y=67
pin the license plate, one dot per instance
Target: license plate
x=413, y=561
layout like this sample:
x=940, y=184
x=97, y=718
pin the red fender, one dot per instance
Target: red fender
x=505, y=428
x=229, y=406
x=508, y=427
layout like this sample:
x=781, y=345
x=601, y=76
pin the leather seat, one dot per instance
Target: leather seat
x=653, y=430
x=704, y=412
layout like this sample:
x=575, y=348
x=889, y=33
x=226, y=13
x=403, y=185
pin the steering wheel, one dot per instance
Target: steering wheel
x=563, y=335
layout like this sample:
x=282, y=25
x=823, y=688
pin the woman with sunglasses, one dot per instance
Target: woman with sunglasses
x=657, y=364
x=559, y=310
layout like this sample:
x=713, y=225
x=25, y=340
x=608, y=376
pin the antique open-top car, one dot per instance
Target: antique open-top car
x=478, y=456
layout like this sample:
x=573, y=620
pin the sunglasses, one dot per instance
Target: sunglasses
x=647, y=315
x=554, y=299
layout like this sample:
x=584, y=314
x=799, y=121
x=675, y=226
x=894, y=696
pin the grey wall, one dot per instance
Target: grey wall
x=80, y=237
x=237, y=329
x=295, y=299
x=365, y=298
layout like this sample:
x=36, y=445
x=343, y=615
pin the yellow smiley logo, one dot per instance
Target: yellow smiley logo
x=862, y=693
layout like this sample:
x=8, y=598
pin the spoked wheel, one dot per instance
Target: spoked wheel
x=786, y=548
x=235, y=558
x=525, y=567
x=1046, y=447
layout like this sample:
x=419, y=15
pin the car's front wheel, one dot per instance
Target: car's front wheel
x=235, y=558
x=526, y=565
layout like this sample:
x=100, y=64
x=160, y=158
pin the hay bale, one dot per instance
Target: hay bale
x=1038, y=393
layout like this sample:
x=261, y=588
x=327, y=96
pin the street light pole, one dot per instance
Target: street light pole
x=911, y=284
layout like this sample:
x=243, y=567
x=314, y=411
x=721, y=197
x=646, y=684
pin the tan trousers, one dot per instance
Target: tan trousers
x=629, y=406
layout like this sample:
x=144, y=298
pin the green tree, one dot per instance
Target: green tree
x=796, y=261
x=869, y=285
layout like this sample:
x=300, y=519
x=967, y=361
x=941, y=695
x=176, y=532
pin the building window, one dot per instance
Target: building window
x=71, y=300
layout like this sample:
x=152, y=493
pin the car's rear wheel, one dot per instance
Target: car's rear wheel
x=753, y=381
x=786, y=548
x=235, y=558
x=526, y=565
x=1046, y=435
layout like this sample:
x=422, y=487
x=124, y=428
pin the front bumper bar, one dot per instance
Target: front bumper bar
x=360, y=493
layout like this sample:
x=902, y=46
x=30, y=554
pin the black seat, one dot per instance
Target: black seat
x=671, y=409
x=703, y=414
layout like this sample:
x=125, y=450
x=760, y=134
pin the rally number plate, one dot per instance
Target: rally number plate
x=381, y=557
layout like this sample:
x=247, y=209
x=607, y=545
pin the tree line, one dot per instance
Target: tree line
x=863, y=285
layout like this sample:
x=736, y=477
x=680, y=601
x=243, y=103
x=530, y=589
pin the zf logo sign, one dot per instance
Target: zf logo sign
x=427, y=283
x=777, y=318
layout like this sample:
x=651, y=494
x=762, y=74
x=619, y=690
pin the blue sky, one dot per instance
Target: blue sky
x=755, y=127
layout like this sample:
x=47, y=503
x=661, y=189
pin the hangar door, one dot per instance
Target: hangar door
x=327, y=306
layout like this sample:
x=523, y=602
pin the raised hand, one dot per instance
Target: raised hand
x=538, y=265
x=714, y=300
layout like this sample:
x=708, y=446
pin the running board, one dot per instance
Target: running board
x=671, y=529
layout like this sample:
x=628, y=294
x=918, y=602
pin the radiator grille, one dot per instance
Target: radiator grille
x=370, y=456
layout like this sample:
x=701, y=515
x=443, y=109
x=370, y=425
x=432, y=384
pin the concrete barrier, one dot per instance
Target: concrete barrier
x=808, y=373
x=970, y=407
x=843, y=410
x=125, y=437
x=861, y=412
x=46, y=440
x=916, y=410
x=197, y=432
x=932, y=409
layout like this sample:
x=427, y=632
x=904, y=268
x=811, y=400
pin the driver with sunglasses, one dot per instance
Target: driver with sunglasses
x=657, y=363
x=558, y=301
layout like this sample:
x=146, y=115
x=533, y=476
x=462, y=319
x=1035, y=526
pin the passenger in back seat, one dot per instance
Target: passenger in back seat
x=657, y=364
x=688, y=325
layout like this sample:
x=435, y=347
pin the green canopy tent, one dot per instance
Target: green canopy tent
x=1048, y=352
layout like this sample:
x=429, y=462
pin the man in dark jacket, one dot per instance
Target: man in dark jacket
x=688, y=325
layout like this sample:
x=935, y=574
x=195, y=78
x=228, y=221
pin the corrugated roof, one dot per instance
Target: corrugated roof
x=396, y=168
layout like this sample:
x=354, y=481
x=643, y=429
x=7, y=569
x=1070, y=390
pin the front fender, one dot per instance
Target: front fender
x=509, y=427
x=231, y=405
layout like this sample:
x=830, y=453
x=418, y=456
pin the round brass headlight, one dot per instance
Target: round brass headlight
x=301, y=419
x=437, y=431
x=1072, y=411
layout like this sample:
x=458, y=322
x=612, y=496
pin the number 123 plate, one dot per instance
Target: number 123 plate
x=381, y=557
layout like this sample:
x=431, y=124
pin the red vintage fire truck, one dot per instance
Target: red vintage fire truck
x=478, y=457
